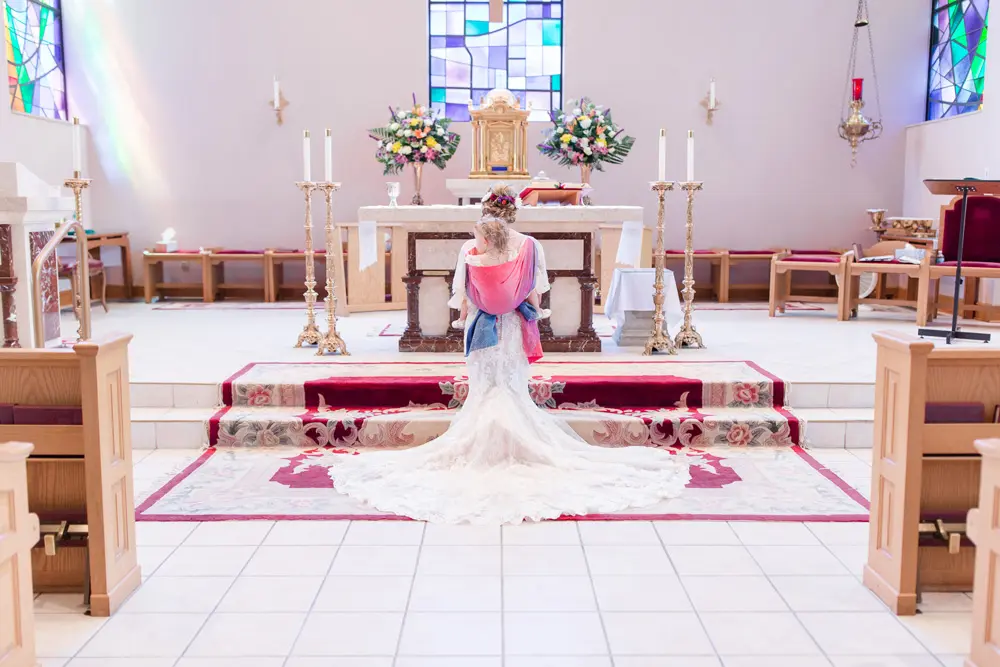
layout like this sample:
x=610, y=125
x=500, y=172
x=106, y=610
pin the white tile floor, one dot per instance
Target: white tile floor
x=564, y=594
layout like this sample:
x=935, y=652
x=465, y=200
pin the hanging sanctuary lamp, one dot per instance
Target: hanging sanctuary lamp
x=856, y=128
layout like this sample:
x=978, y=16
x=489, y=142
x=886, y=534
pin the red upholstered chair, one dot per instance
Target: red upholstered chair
x=95, y=272
x=980, y=257
x=717, y=262
x=784, y=264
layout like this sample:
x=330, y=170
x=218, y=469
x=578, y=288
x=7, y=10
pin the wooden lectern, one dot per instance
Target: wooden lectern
x=963, y=187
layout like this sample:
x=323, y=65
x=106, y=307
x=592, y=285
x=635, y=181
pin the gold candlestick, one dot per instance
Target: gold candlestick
x=659, y=339
x=688, y=336
x=78, y=185
x=331, y=341
x=310, y=333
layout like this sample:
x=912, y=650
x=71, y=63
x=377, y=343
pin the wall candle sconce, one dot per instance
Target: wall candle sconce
x=711, y=102
x=278, y=102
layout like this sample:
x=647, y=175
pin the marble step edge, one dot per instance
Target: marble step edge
x=185, y=428
x=802, y=395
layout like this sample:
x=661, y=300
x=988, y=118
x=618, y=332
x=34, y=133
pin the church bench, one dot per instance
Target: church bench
x=735, y=258
x=981, y=530
x=718, y=266
x=154, y=264
x=784, y=264
x=218, y=287
x=882, y=271
x=76, y=408
x=931, y=404
x=18, y=534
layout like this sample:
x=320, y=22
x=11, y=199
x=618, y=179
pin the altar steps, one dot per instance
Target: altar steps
x=188, y=428
x=609, y=403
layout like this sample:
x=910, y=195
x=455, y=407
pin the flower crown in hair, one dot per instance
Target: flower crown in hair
x=501, y=201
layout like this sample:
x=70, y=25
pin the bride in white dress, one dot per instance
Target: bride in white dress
x=504, y=459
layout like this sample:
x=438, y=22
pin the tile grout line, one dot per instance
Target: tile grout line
x=593, y=591
x=409, y=595
x=322, y=584
x=680, y=581
x=503, y=607
x=208, y=617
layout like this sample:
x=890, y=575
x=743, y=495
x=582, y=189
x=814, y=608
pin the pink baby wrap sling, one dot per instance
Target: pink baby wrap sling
x=500, y=289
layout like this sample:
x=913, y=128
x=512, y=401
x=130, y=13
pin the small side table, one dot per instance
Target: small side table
x=118, y=239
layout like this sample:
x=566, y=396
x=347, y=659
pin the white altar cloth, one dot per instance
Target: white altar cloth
x=629, y=216
x=632, y=290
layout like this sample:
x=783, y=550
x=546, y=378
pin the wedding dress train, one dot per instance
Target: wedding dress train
x=506, y=460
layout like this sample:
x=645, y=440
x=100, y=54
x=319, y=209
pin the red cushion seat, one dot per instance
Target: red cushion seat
x=696, y=252
x=238, y=252
x=821, y=259
x=67, y=266
x=973, y=265
x=752, y=252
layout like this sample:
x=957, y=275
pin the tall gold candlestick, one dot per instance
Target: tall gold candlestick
x=688, y=336
x=78, y=185
x=659, y=339
x=310, y=333
x=331, y=341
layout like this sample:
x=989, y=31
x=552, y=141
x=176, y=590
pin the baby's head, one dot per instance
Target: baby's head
x=501, y=202
x=495, y=232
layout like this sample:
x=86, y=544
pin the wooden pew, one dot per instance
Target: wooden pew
x=984, y=530
x=925, y=476
x=18, y=534
x=80, y=474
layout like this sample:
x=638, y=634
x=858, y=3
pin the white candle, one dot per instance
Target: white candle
x=306, y=158
x=661, y=173
x=690, y=172
x=711, y=94
x=277, y=94
x=328, y=156
x=77, y=159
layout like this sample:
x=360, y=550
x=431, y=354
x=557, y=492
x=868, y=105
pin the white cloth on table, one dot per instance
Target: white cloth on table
x=630, y=245
x=632, y=289
x=368, y=244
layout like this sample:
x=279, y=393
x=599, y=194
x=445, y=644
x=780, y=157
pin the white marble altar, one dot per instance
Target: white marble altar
x=29, y=211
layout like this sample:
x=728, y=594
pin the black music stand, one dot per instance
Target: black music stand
x=963, y=187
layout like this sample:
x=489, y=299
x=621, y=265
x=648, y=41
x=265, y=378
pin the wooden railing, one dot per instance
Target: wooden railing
x=81, y=282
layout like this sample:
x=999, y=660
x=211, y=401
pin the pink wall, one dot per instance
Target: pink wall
x=175, y=94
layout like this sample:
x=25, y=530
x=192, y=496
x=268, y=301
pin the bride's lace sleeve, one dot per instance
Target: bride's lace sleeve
x=458, y=284
x=541, y=273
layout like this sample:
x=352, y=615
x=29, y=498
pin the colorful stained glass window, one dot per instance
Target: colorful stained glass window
x=958, y=57
x=470, y=56
x=33, y=31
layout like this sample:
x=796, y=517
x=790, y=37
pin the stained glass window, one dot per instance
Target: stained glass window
x=958, y=57
x=35, y=57
x=470, y=56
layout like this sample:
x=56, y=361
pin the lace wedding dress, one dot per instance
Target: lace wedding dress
x=504, y=459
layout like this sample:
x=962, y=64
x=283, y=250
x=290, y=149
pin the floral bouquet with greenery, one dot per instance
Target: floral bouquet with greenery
x=415, y=135
x=585, y=135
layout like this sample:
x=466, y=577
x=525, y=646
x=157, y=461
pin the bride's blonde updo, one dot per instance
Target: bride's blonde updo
x=495, y=232
x=501, y=202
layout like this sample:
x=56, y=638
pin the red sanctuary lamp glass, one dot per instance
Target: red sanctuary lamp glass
x=857, y=87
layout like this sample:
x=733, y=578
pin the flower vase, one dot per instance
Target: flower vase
x=585, y=170
x=418, y=174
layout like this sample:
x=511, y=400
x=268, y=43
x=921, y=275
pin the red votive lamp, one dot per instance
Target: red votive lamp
x=857, y=85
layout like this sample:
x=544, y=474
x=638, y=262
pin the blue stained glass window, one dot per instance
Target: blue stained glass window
x=958, y=57
x=35, y=57
x=469, y=55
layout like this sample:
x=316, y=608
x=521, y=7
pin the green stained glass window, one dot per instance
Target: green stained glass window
x=958, y=57
x=33, y=36
x=469, y=56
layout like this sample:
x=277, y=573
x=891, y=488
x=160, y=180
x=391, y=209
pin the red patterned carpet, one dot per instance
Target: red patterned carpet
x=402, y=404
